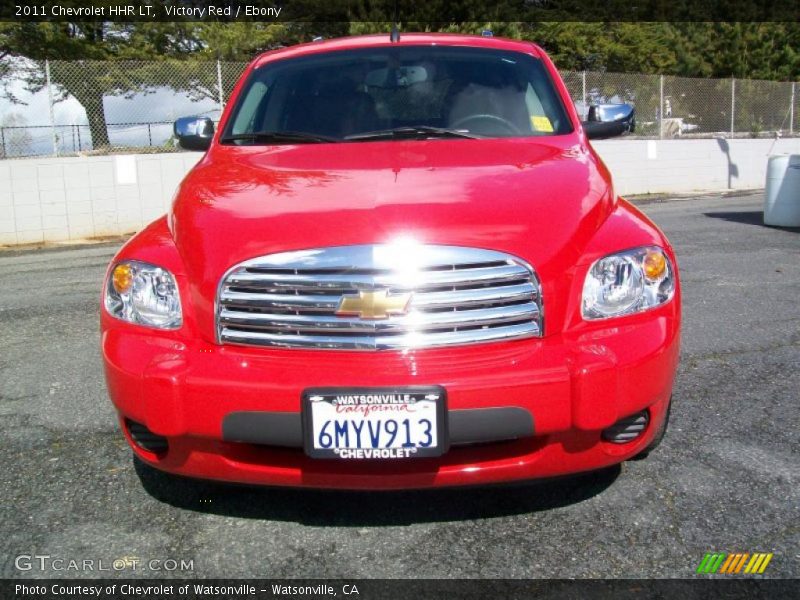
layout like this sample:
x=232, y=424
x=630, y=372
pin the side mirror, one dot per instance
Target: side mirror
x=609, y=120
x=194, y=133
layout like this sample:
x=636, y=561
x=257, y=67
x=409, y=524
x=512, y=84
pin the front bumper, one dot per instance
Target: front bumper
x=573, y=386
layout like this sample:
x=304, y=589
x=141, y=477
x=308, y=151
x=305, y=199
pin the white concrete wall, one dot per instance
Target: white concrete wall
x=679, y=166
x=57, y=199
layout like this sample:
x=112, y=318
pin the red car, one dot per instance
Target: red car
x=399, y=264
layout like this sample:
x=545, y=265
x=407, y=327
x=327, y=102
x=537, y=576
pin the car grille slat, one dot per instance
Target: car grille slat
x=349, y=282
x=414, y=320
x=293, y=302
x=439, y=339
x=454, y=296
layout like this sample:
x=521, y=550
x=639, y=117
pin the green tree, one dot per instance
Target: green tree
x=741, y=50
x=241, y=41
x=617, y=47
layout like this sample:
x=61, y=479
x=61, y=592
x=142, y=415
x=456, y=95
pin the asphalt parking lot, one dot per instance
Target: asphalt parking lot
x=726, y=478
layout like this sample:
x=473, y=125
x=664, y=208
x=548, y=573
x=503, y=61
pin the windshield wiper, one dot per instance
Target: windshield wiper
x=292, y=137
x=415, y=132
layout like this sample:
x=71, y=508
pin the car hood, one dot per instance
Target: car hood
x=539, y=200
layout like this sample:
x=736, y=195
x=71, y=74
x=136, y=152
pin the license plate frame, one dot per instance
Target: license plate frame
x=416, y=392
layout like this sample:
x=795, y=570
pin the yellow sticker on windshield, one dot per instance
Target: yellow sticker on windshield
x=541, y=123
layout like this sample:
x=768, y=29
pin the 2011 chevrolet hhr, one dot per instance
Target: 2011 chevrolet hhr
x=399, y=264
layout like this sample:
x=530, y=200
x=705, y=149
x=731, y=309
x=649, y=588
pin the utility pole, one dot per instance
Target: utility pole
x=50, y=102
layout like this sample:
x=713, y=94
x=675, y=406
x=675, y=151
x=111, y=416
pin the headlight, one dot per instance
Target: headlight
x=627, y=282
x=144, y=294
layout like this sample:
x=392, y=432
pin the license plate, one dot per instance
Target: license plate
x=374, y=423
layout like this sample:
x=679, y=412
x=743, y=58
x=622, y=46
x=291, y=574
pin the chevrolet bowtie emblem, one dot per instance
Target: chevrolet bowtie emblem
x=377, y=304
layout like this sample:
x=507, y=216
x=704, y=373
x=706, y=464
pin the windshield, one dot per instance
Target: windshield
x=416, y=92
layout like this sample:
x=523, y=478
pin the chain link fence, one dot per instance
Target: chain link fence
x=60, y=108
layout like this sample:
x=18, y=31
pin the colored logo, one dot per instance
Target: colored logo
x=376, y=304
x=722, y=563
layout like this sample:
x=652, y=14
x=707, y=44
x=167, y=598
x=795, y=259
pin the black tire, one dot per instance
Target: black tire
x=659, y=436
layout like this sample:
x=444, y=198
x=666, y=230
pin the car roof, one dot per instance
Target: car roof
x=406, y=39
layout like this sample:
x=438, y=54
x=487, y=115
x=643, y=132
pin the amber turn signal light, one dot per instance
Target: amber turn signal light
x=655, y=265
x=122, y=278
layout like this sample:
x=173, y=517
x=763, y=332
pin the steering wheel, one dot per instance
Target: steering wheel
x=508, y=125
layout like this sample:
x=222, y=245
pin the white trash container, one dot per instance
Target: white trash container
x=782, y=195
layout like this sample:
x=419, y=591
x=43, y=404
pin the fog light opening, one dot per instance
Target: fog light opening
x=146, y=439
x=627, y=429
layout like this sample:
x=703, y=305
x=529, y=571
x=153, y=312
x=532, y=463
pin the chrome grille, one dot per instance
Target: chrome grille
x=455, y=296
